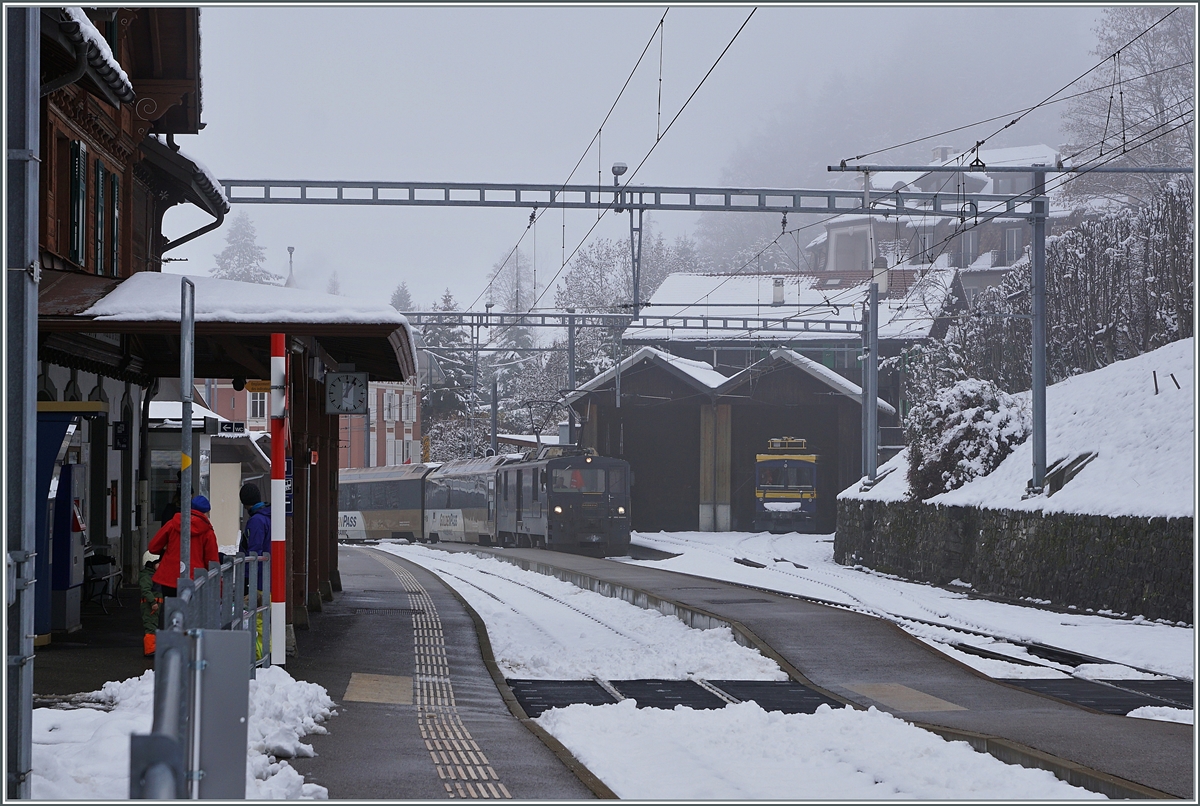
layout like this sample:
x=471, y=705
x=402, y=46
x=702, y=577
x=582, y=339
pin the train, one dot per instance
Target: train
x=564, y=498
x=785, y=487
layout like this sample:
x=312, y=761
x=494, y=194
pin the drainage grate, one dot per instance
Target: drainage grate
x=667, y=694
x=787, y=696
x=386, y=611
x=537, y=696
x=1092, y=695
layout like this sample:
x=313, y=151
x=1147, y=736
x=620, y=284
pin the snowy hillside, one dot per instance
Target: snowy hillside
x=1144, y=445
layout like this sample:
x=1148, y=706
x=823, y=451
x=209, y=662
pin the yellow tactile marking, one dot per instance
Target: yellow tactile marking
x=460, y=763
x=386, y=688
x=902, y=698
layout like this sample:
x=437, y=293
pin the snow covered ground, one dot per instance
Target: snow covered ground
x=803, y=564
x=82, y=753
x=738, y=752
x=1137, y=416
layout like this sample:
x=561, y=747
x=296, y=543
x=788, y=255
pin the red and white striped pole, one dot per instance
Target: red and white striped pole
x=278, y=499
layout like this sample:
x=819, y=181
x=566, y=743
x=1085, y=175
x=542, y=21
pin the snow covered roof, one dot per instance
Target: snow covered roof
x=82, y=33
x=173, y=410
x=1143, y=440
x=734, y=296
x=697, y=373
x=205, y=189
x=828, y=377
x=152, y=296
x=233, y=320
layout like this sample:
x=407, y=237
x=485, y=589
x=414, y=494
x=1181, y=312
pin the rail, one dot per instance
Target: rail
x=165, y=764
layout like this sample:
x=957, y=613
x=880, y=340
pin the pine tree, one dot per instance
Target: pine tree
x=334, y=286
x=450, y=347
x=401, y=299
x=242, y=258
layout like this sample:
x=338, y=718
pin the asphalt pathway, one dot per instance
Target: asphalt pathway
x=419, y=716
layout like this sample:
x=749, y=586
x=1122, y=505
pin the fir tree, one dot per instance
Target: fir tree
x=242, y=258
x=401, y=299
x=334, y=286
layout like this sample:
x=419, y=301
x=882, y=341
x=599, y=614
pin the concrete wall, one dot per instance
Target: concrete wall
x=1139, y=566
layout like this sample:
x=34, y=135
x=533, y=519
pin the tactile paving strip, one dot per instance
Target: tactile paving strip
x=537, y=696
x=461, y=765
x=787, y=696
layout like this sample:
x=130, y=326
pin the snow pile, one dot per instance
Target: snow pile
x=83, y=753
x=803, y=564
x=1164, y=713
x=741, y=752
x=963, y=432
x=1143, y=441
x=589, y=634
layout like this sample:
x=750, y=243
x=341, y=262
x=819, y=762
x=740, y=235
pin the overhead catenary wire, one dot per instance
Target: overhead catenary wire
x=596, y=138
x=1023, y=112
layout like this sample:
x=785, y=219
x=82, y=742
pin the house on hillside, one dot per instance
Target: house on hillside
x=982, y=248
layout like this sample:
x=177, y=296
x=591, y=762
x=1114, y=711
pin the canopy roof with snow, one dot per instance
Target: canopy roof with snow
x=836, y=312
x=133, y=325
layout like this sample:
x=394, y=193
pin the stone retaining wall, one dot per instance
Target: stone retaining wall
x=1139, y=566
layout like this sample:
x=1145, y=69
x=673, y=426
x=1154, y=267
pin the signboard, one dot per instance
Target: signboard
x=287, y=485
x=258, y=387
x=120, y=435
x=231, y=427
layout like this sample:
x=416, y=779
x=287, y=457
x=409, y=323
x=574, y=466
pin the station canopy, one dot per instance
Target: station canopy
x=129, y=328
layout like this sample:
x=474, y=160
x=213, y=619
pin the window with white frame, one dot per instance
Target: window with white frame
x=391, y=406
x=1012, y=245
x=969, y=244
x=408, y=411
x=258, y=405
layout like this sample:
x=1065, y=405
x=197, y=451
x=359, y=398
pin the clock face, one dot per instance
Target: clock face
x=346, y=393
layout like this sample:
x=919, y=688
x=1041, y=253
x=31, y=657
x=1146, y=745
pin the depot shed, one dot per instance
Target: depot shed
x=690, y=433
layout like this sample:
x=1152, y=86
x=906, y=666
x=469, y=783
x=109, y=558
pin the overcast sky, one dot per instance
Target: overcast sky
x=496, y=94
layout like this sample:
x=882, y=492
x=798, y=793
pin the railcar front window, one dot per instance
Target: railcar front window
x=578, y=480
x=616, y=480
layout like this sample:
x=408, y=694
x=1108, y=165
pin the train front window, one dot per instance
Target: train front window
x=578, y=480
x=616, y=480
x=795, y=476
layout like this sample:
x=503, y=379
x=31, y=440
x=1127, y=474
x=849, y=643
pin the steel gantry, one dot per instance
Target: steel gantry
x=1032, y=204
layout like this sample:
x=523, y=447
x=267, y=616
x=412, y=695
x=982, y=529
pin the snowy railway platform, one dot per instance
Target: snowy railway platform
x=865, y=661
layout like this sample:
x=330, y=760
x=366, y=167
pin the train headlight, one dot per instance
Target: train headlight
x=620, y=510
x=558, y=510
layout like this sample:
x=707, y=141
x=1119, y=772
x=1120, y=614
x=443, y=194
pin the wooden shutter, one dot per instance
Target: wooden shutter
x=100, y=230
x=78, y=243
x=114, y=231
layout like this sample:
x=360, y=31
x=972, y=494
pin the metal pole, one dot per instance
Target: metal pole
x=187, y=321
x=1039, y=333
x=23, y=51
x=278, y=498
x=474, y=386
x=571, y=370
x=871, y=401
x=635, y=248
x=866, y=344
x=495, y=413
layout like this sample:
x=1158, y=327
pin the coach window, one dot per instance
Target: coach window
x=504, y=485
x=616, y=480
x=537, y=483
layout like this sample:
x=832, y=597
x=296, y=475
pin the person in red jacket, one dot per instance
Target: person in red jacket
x=166, y=543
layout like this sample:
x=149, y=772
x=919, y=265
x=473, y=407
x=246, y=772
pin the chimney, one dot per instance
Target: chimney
x=942, y=153
x=777, y=296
